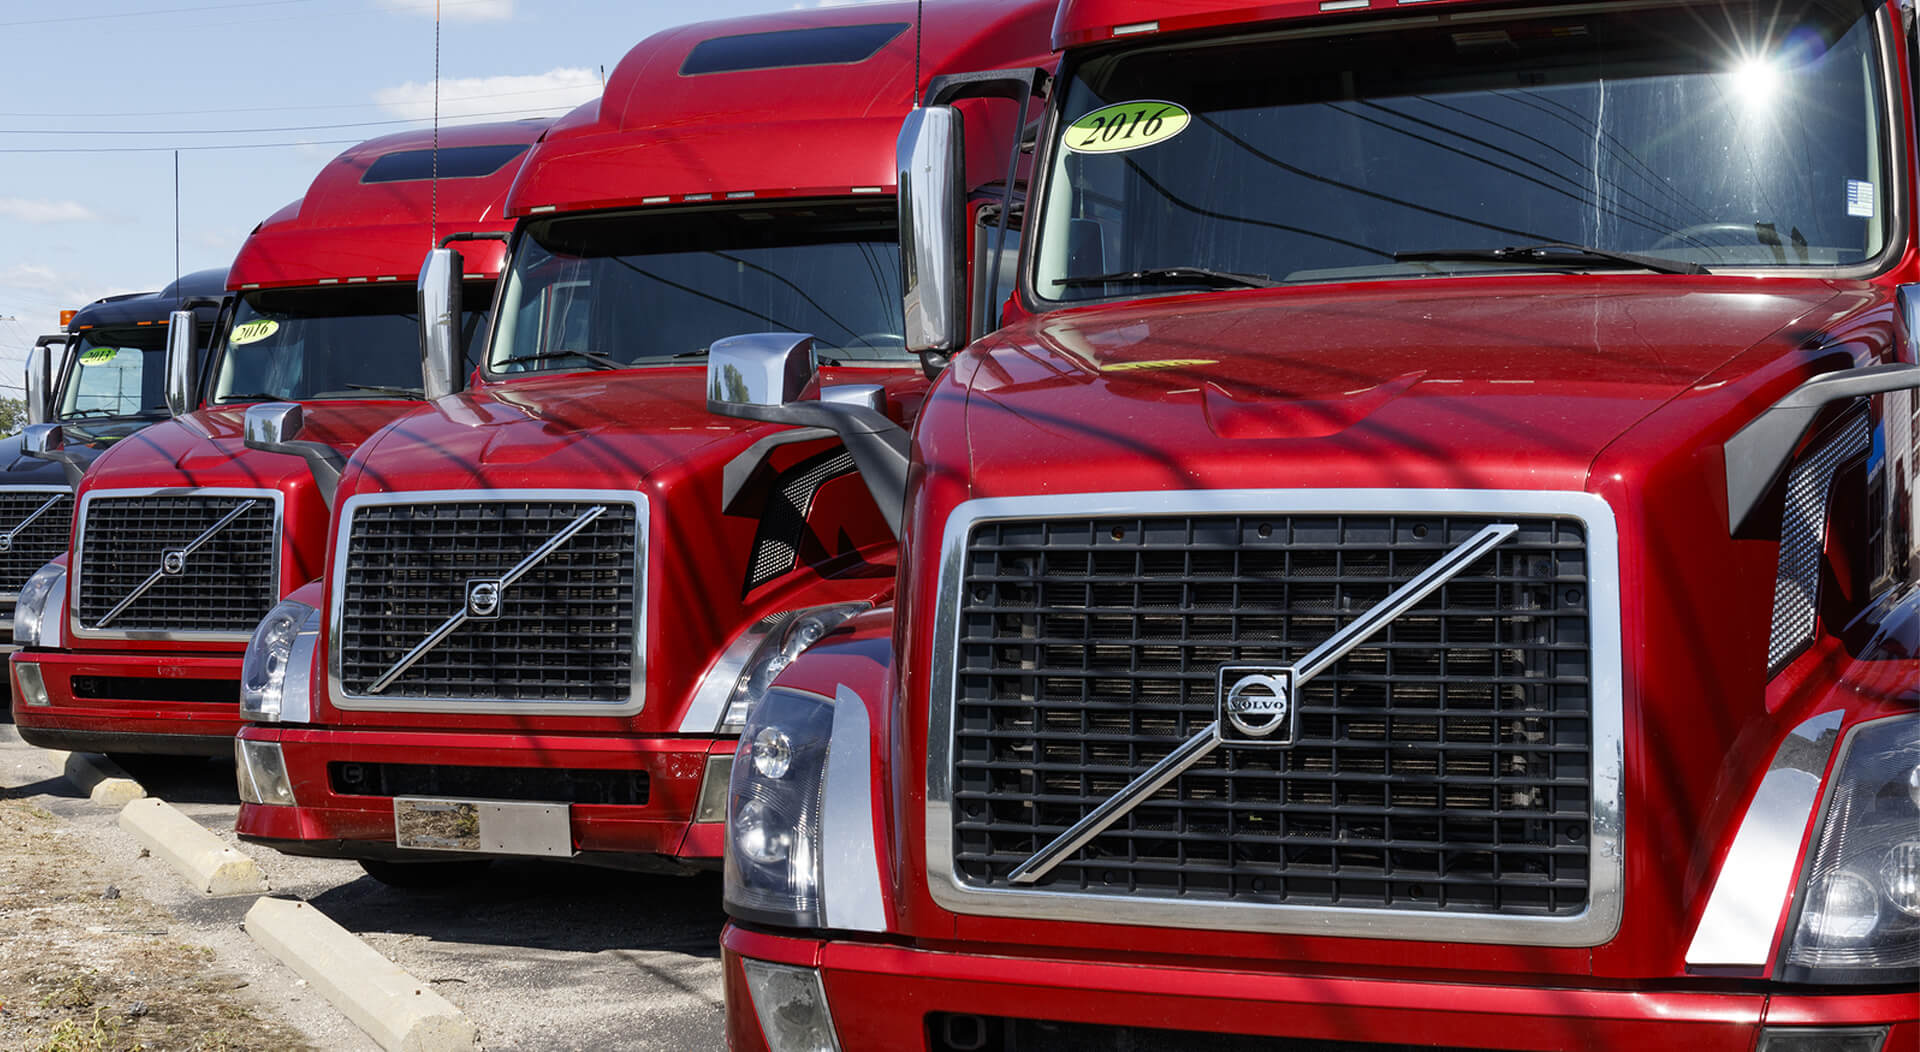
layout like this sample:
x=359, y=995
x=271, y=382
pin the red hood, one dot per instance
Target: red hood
x=1496, y=383
x=204, y=448
x=592, y=430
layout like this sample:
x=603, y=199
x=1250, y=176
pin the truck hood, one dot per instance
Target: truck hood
x=1499, y=383
x=205, y=448
x=620, y=430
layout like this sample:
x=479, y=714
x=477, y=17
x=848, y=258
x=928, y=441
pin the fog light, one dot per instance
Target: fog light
x=1821, y=1039
x=759, y=833
x=262, y=773
x=713, y=790
x=28, y=685
x=1844, y=910
x=792, y=1007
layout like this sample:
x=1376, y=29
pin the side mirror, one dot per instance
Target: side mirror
x=441, y=355
x=762, y=368
x=183, y=365
x=274, y=427
x=39, y=382
x=271, y=423
x=49, y=442
x=763, y=376
x=930, y=159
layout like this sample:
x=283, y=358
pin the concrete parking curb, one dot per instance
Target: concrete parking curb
x=100, y=778
x=395, y=1009
x=209, y=865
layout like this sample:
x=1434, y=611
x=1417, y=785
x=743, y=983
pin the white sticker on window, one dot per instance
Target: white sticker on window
x=1860, y=198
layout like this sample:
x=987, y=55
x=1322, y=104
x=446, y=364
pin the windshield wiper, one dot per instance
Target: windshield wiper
x=257, y=396
x=403, y=392
x=598, y=361
x=70, y=414
x=1555, y=254
x=1182, y=275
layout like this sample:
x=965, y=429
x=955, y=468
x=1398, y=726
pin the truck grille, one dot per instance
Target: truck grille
x=38, y=543
x=563, y=631
x=1443, y=766
x=222, y=586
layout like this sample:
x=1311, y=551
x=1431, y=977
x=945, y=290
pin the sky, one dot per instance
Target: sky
x=84, y=215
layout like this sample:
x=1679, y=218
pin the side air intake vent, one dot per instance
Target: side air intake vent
x=1803, y=530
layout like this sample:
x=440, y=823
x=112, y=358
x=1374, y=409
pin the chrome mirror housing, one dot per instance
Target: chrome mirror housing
x=182, y=363
x=38, y=440
x=441, y=355
x=39, y=381
x=271, y=423
x=761, y=368
x=930, y=158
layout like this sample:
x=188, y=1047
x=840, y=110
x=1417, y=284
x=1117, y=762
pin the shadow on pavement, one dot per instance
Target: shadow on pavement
x=544, y=905
x=183, y=779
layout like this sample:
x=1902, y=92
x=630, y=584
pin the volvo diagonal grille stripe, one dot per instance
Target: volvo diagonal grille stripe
x=1321, y=658
x=174, y=563
x=6, y=539
x=497, y=596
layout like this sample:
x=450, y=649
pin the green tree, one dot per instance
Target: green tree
x=13, y=415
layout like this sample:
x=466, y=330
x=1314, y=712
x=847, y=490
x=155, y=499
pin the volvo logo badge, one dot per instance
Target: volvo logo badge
x=483, y=599
x=173, y=563
x=6, y=542
x=1256, y=704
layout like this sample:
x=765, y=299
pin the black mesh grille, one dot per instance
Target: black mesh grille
x=564, y=630
x=1444, y=765
x=226, y=585
x=951, y=1032
x=559, y=785
x=783, y=526
x=28, y=549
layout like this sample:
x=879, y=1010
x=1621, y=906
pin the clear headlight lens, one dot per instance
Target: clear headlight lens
x=773, y=811
x=271, y=654
x=1859, y=919
x=780, y=638
x=30, y=612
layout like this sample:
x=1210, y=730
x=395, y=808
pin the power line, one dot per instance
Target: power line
x=264, y=131
x=271, y=109
x=160, y=11
x=169, y=149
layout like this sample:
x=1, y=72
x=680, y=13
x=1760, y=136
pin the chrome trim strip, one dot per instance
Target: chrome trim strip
x=1592, y=927
x=78, y=544
x=192, y=546
x=296, y=693
x=1318, y=660
x=447, y=627
x=849, y=864
x=708, y=709
x=336, y=598
x=1739, y=926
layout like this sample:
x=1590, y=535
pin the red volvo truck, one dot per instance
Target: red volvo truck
x=103, y=383
x=184, y=538
x=552, y=595
x=1432, y=565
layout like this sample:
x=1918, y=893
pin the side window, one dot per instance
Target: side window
x=993, y=278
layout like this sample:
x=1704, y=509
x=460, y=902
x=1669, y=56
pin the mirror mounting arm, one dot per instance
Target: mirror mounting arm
x=272, y=427
x=879, y=446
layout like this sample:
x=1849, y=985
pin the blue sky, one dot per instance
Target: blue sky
x=94, y=74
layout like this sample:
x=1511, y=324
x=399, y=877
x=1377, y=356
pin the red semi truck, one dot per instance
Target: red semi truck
x=184, y=537
x=551, y=596
x=1431, y=564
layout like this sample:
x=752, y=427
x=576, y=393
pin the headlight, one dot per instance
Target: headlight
x=774, y=808
x=44, y=592
x=748, y=667
x=274, y=674
x=1859, y=917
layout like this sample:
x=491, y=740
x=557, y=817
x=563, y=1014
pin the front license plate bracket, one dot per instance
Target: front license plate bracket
x=493, y=827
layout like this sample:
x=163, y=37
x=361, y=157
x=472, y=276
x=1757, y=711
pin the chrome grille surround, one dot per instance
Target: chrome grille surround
x=42, y=541
x=460, y=569
x=237, y=605
x=1592, y=925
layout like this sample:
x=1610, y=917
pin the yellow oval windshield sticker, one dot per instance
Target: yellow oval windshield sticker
x=253, y=331
x=98, y=355
x=1126, y=126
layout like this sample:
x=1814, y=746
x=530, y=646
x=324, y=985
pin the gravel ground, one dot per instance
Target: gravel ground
x=538, y=955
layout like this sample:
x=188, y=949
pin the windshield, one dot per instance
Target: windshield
x=335, y=342
x=1719, y=135
x=656, y=288
x=116, y=372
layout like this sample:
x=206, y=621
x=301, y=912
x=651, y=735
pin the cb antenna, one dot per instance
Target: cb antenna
x=919, y=19
x=433, y=222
